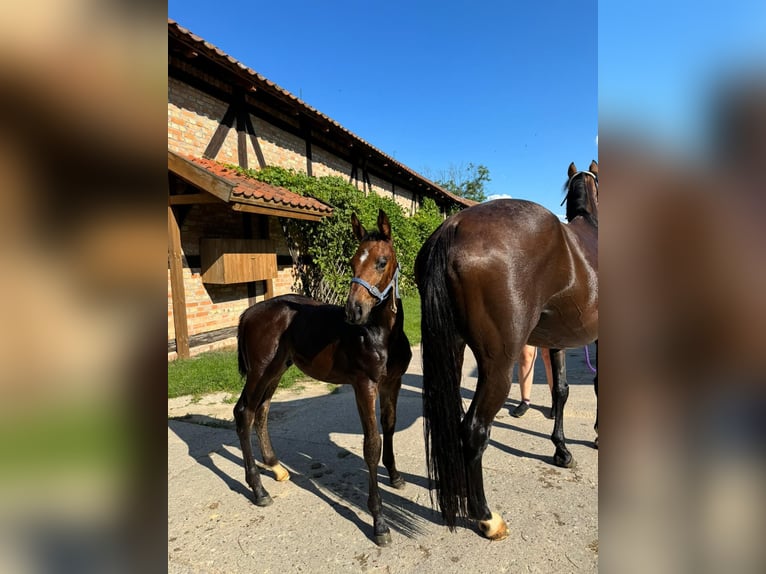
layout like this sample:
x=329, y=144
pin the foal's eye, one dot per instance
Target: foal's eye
x=381, y=263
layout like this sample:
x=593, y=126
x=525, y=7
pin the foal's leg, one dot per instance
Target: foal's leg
x=562, y=456
x=261, y=429
x=253, y=408
x=366, y=393
x=244, y=414
x=389, y=393
x=491, y=392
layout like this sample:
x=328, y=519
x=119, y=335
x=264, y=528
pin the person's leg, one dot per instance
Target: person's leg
x=526, y=374
x=548, y=374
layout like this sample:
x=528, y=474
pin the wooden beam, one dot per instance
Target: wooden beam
x=306, y=132
x=254, y=140
x=216, y=142
x=239, y=102
x=193, y=198
x=199, y=176
x=277, y=212
x=178, y=293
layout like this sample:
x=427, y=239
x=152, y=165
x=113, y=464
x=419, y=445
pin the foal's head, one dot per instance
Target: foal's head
x=375, y=270
x=582, y=193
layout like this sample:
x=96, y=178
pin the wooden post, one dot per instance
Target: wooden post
x=177, y=286
x=269, y=289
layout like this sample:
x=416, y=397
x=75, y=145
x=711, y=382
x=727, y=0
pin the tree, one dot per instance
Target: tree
x=466, y=181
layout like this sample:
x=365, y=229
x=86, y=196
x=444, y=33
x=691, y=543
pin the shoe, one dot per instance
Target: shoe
x=520, y=410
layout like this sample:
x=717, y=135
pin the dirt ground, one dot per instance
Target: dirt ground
x=319, y=520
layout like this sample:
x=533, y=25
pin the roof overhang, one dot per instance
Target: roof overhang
x=215, y=188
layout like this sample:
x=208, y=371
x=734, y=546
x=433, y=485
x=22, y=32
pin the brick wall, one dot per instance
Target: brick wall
x=324, y=163
x=193, y=117
x=280, y=147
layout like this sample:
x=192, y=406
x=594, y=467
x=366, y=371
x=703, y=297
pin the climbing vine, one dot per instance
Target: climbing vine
x=327, y=245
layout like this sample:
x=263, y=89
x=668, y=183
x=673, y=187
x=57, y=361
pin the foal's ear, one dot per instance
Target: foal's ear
x=384, y=226
x=593, y=167
x=572, y=170
x=359, y=231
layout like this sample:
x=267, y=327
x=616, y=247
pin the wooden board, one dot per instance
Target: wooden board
x=226, y=261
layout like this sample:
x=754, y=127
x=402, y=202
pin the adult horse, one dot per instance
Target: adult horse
x=363, y=345
x=497, y=276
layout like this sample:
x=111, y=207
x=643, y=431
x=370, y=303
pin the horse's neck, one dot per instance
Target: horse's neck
x=587, y=235
x=582, y=227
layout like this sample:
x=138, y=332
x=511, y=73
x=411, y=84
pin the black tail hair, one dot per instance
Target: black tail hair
x=442, y=403
x=241, y=346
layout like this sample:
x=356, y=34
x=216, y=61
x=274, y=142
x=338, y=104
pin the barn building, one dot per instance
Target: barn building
x=226, y=244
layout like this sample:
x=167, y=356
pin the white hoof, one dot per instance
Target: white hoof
x=495, y=528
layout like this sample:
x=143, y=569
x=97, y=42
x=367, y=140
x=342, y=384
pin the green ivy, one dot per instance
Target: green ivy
x=324, y=243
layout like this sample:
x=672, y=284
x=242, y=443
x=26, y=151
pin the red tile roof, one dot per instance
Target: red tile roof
x=246, y=189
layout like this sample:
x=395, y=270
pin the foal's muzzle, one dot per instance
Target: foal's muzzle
x=356, y=312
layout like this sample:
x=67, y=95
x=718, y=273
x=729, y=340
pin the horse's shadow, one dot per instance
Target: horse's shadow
x=301, y=432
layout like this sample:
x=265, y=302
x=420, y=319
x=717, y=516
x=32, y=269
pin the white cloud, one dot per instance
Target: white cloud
x=597, y=140
x=498, y=196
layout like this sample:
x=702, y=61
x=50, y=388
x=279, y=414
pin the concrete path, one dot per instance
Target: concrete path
x=319, y=520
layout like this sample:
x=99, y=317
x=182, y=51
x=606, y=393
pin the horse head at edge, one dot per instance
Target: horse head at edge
x=581, y=190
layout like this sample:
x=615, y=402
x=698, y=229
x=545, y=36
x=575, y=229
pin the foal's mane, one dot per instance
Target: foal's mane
x=578, y=200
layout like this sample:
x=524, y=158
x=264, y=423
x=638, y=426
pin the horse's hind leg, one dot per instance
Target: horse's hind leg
x=366, y=391
x=595, y=388
x=389, y=393
x=562, y=456
x=244, y=414
x=491, y=392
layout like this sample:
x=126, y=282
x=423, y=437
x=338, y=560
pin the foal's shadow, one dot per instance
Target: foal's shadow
x=301, y=432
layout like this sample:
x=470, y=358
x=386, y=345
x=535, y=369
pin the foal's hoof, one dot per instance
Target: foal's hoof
x=398, y=482
x=280, y=473
x=383, y=539
x=495, y=528
x=265, y=500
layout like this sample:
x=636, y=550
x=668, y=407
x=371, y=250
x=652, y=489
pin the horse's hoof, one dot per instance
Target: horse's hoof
x=398, y=482
x=383, y=539
x=265, y=500
x=495, y=528
x=563, y=460
x=280, y=473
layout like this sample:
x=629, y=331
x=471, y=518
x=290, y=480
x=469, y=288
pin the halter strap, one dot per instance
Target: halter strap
x=375, y=292
x=574, y=175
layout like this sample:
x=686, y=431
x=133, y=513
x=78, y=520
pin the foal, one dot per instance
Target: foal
x=363, y=345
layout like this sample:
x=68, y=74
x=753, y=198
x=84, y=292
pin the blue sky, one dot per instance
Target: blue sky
x=660, y=63
x=511, y=85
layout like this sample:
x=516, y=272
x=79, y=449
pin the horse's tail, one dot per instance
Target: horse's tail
x=242, y=346
x=442, y=403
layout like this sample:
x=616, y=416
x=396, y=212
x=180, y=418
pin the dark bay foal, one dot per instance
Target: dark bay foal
x=363, y=345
